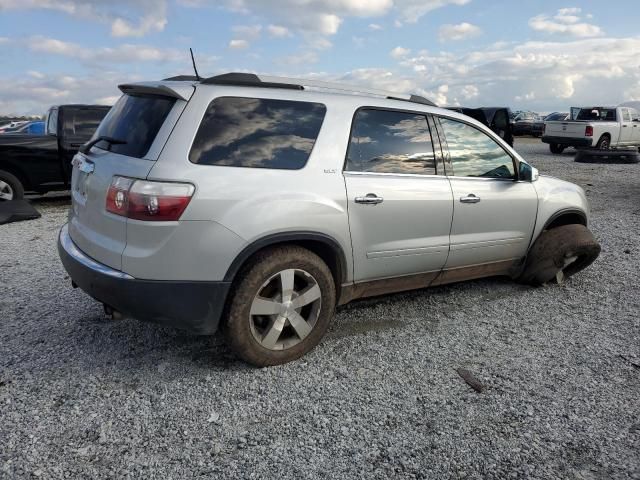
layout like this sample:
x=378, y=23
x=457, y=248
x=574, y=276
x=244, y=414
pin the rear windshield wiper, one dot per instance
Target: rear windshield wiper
x=102, y=138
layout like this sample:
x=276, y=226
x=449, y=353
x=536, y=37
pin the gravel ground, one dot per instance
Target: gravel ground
x=380, y=397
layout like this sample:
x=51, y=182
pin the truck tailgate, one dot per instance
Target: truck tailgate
x=565, y=129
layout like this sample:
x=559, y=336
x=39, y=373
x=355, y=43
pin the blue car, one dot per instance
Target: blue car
x=31, y=128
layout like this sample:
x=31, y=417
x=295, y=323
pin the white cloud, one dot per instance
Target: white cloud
x=278, y=31
x=20, y=95
x=399, y=52
x=410, y=11
x=238, y=44
x=247, y=32
x=458, y=32
x=121, y=54
x=127, y=18
x=326, y=16
x=566, y=21
x=375, y=27
x=302, y=58
x=469, y=91
x=538, y=75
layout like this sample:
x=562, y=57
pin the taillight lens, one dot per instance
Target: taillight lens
x=588, y=131
x=146, y=200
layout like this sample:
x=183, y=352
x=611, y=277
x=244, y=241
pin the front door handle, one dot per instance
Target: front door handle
x=370, y=199
x=471, y=198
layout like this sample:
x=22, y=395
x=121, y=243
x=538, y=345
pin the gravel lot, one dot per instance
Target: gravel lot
x=81, y=396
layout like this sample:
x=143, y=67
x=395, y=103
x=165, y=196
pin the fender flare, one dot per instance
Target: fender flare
x=288, y=237
x=566, y=211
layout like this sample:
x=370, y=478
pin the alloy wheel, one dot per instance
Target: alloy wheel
x=285, y=309
x=6, y=192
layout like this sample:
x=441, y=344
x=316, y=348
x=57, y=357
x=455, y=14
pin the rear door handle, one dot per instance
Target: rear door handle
x=471, y=198
x=369, y=199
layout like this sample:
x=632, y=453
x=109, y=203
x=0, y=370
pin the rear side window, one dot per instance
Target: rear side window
x=82, y=122
x=134, y=120
x=258, y=133
x=384, y=141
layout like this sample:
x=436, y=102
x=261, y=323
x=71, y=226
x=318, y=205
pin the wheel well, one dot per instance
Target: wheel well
x=568, y=218
x=16, y=172
x=327, y=249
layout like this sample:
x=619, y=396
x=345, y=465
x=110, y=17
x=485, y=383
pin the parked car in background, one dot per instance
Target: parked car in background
x=33, y=162
x=557, y=116
x=594, y=127
x=12, y=126
x=31, y=128
x=496, y=118
x=525, y=123
x=260, y=203
x=538, y=125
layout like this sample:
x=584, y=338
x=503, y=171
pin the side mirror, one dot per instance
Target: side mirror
x=528, y=173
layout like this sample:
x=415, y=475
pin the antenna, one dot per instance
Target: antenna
x=193, y=61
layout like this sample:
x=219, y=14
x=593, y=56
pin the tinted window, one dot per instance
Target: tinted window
x=475, y=154
x=259, y=133
x=82, y=122
x=596, y=113
x=556, y=117
x=136, y=120
x=390, y=142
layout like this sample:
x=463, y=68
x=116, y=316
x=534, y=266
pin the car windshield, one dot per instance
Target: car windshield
x=556, y=116
x=597, y=114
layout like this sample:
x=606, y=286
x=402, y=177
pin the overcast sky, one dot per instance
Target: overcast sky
x=527, y=54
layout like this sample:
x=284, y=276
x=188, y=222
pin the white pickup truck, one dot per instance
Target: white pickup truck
x=594, y=127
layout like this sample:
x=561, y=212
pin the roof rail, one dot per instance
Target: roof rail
x=266, y=81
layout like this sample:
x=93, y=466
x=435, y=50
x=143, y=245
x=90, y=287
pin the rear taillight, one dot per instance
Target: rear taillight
x=588, y=131
x=146, y=200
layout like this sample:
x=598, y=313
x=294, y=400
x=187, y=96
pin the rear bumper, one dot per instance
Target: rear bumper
x=192, y=306
x=568, y=141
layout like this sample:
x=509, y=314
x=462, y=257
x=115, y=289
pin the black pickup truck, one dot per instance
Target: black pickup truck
x=42, y=163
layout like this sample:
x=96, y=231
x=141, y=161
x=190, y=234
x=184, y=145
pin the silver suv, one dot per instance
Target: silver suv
x=258, y=204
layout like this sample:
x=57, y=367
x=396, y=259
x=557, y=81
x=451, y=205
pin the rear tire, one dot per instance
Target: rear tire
x=10, y=187
x=560, y=253
x=295, y=291
x=604, y=143
x=556, y=148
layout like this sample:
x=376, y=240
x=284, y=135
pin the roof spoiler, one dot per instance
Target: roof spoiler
x=181, y=92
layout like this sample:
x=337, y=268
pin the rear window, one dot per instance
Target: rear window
x=597, y=114
x=258, y=133
x=82, y=122
x=136, y=120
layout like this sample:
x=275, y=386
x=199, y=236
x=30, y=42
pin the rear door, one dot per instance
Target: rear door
x=399, y=206
x=493, y=214
x=143, y=123
x=626, y=127
x=635, y=120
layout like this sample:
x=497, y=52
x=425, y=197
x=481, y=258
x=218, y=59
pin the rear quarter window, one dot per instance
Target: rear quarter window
x=135, y=120
x=257, y=133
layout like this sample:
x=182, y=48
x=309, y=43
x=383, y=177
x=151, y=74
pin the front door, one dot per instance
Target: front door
x=493, y=215
x=400, y=209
